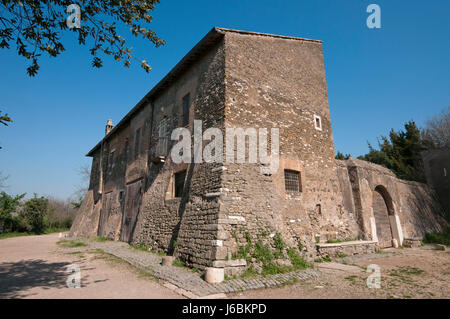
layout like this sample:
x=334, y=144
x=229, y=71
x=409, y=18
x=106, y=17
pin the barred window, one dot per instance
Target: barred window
x=179, y=183
x=292, y=181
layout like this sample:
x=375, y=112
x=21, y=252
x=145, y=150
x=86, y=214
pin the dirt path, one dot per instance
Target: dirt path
x=409, y=273
x=35, y=267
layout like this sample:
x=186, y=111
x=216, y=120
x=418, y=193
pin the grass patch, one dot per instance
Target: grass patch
x=179, y=263
x=100, y=239
x=342, y=255
x=250, y=272
x=141, y=247
x=323, y=260
x=70, y=243
x=352, y=279
x=410, y=270
x=12, y=235
x=297, y=261
x=438, y=238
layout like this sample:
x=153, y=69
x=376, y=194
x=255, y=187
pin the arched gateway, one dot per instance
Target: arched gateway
x=382, y=210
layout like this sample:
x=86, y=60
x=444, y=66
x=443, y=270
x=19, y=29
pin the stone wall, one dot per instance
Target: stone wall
x=413, y=207
x=274, y=82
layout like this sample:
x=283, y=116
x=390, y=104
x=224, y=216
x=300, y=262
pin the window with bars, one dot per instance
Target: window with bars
x=292, y=181
x=179, y=183
x=161, y=147
x=186, y=107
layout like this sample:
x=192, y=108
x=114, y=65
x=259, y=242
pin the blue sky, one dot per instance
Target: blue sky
x=377, y=79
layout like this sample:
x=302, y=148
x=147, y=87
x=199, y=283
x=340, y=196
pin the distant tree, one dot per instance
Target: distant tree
x=341, y=156
x=33, y=215
x=60, y=213
x=36, y=28
x=3, y=180
x=85, y=173
x=400, y=153
x=436, y=133
x=8, y=206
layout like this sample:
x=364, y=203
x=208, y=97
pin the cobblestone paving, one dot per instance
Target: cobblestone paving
x=189, y=280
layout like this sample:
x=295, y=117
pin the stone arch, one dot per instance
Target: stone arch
x=386, y=229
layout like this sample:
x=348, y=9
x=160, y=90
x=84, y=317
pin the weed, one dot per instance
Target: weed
x=71, y=243
x=297, y=261
x=179, y=263
x=249, y=273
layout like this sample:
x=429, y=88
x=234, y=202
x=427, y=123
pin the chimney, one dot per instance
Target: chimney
x=109, y=127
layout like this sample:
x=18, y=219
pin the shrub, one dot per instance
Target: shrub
x=297, y=261
x=33, y=216
x=438, y=238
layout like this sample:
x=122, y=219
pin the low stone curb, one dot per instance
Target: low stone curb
x=190, y=284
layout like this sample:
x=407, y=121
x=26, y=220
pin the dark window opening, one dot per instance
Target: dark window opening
x=137, y=142
x=186, y=106
x=292, y=181
x=179, y=183
x=111, y=160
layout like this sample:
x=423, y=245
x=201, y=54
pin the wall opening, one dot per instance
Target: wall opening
x=387, y=222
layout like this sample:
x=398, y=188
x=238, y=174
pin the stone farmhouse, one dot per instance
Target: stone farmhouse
x=203, y=212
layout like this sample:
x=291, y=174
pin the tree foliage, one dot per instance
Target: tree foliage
x=4, y=119
x=32, y=216
x=8, y=206
x=400, y=152
x=341, y=156
x=436, y=133
x=36, y=28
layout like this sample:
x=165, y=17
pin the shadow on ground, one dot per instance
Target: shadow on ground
x=17, y=277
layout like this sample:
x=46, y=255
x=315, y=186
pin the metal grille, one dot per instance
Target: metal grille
x=292, y=181
x=161, y=147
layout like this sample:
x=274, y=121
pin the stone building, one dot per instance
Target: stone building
x=203, y=212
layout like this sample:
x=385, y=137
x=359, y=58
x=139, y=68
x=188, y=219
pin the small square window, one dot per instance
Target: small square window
x=179, y=183
x=292, y=181
x=317, y=122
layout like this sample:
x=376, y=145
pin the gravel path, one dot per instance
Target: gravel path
x=35, y=267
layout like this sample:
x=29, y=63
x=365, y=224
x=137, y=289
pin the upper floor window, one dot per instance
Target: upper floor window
x=137, y=144
x=111, y=160
x=292, y=181
x=179, y=183
x=318, y=122
x=163, y=137
x=186, y=107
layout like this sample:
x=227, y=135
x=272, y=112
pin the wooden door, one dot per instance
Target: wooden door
x=132, y=204
x=104, y=216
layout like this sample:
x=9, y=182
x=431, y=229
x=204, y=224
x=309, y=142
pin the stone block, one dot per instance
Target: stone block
x=214, y=275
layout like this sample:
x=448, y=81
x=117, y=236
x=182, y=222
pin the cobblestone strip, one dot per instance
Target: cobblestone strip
x=189, y=283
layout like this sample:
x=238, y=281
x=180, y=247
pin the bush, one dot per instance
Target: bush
x=438, y=238
x=33, y=215
x=8, y=206
x=297, y=261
